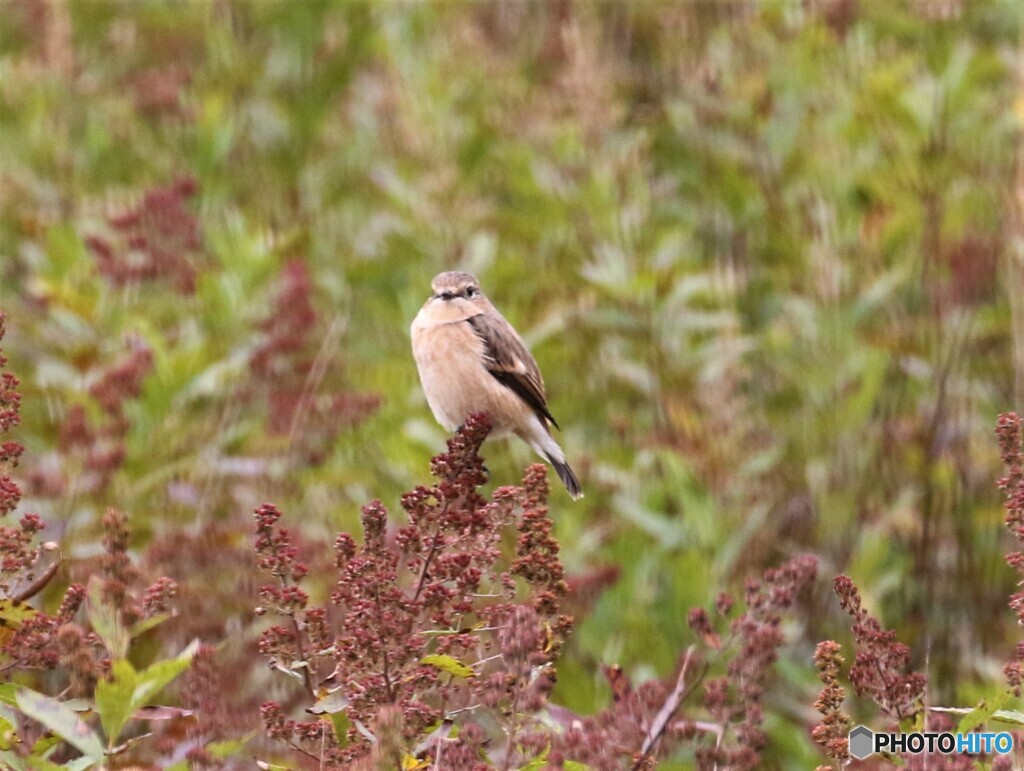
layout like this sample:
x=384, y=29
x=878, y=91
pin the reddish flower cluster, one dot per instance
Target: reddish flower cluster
x=831, y=733
x=199, y=559
x=157, y=91
x=121, y=579
x=37, y=640
x=615, y=737
x=122, y=382
x=18, y=556
x=641, y=725
x=46, y=642
x=32, y=645
x=117, y=568
x=423, y=629
x=203, y=691
x=213, y=569
x=735, y=700
x=285, y=350
x=878, y=668
x=99, y=447
x=291, y=363
x=159, y=239
x=81, y=656
x=1010, y=436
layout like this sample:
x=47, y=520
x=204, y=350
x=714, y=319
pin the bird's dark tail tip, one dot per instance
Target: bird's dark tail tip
x=568, y=477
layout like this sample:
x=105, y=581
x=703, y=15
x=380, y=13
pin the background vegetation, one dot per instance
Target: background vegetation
x=768, y=256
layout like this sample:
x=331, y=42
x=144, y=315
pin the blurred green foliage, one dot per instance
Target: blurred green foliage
x=766, y=254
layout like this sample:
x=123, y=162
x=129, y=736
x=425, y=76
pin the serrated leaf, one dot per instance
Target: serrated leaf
x=448, y=664
x=62, y=721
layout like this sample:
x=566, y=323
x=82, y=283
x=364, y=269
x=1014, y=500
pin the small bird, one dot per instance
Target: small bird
x=470, y=360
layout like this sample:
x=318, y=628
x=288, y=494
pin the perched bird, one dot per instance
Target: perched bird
x=471, y=360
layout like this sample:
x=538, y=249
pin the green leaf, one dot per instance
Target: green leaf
x=62, y=721
x=539, y=762
x=157, y=676
x=9, y=694
x=8, y=734
x=78, y=764
x=119, y=697
x=147, y=623
x=38, y=763
x=982, y=712
x=227, y=748
x=448, y=664
x=44, y=744
x=13, y=761
x=106, y=621
x=1009, y=716
x=330, y=704
x=13, y=613
x=334, y=704
x=224, y=749
x=127, y=690
x=341, y=723
x=114, y=698
x=1005, y=715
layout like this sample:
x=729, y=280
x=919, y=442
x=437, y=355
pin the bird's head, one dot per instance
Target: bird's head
x=458, y=290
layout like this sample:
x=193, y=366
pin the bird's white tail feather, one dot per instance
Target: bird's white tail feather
x=545, y=445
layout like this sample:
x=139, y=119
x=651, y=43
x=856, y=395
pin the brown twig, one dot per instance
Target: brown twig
x=668, y=709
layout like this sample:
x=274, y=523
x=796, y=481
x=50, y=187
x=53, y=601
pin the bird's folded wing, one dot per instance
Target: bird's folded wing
x=511, y=364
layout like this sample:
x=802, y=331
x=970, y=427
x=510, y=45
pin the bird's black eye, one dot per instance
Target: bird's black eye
x=471, y=291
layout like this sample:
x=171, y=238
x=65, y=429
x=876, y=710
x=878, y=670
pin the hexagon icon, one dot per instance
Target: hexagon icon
x=861, y=742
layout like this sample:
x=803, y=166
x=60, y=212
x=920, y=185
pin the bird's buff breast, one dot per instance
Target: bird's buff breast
x=449, y=357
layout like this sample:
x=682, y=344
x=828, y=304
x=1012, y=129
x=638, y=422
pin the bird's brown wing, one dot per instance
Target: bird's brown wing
x=510, y=363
